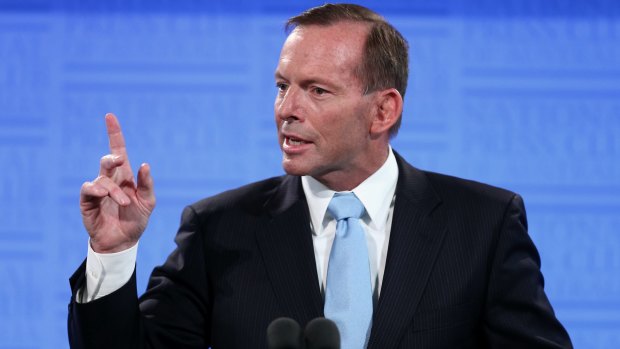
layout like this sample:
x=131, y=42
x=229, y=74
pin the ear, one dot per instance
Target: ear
x=389, y=107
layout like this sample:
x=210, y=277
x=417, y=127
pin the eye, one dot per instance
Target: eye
x=281, y=86
x=319, y=91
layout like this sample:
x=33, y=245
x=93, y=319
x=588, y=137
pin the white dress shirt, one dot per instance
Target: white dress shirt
x=108, y=272
x=377, y=195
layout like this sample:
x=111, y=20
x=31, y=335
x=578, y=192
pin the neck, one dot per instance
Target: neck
x=349, y=179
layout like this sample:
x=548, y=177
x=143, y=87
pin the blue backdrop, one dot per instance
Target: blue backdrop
x=523, y=94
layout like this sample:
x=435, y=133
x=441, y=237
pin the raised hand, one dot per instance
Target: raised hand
x=115, y=210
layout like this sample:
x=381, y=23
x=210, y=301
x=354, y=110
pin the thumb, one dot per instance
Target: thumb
x=145, y=188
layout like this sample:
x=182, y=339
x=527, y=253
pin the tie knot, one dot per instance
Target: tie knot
x=345, y=205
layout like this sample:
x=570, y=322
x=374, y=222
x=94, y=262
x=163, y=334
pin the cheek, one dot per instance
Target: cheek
x=339, y=125
x=342, y=134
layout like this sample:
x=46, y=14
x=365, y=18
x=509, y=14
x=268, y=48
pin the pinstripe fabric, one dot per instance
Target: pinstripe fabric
x=461, y=272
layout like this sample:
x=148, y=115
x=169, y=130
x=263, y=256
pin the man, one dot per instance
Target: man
x=447, y=262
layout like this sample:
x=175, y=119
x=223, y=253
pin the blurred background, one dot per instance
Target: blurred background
x=523, y=94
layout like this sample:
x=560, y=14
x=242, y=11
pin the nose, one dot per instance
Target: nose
x=288, y=106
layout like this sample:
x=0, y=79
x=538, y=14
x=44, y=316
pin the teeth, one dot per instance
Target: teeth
x=295, y=142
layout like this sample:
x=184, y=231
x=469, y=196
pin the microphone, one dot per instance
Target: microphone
x=284, y=333
x=322, y=333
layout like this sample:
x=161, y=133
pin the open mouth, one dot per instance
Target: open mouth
x=294, y=141
x=294, y=145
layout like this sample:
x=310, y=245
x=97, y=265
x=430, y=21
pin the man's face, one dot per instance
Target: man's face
x=322, y=114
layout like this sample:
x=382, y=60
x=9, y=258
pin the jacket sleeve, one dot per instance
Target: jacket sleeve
x=173, y=312
x=518, y=313
x=108, y=322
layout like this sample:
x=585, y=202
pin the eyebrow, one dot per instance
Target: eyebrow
x=307, y=82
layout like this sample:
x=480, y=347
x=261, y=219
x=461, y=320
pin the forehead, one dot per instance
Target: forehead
x=325, y=48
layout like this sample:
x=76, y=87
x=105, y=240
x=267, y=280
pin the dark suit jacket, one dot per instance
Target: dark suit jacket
x=461, y=272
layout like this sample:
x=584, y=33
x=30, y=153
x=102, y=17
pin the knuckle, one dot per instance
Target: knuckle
x=104, y=181
x=115, y=190
x=106, y=161
x=99, y=179
x=86, y=187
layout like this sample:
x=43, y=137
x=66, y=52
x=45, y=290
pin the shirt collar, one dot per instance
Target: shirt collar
x=376, y=193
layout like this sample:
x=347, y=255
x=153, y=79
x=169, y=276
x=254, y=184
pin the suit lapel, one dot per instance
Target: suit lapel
x=285, y=242
x=418, y=229
x=417, y=233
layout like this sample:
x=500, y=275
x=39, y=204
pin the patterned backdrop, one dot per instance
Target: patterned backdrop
x=524, y=94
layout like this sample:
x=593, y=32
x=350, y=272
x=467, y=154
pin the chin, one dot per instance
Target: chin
x=293, y=168
x=293, y=171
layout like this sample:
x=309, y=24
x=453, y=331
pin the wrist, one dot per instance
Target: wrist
x=106, y=249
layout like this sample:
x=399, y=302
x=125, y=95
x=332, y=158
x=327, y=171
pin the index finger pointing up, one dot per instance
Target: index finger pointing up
x=115, y=135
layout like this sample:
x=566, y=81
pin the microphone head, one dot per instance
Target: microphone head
x=322, y=333
x=283, y=333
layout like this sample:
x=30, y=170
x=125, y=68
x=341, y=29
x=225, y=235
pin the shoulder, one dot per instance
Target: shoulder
x=249, y=198
x=472, y=210
x=470, y=202
x=458, y=195
x=454, y=188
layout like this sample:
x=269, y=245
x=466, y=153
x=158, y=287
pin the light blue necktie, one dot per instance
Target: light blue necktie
x=348, y=295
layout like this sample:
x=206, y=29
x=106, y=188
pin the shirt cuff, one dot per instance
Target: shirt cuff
x=107, y=272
